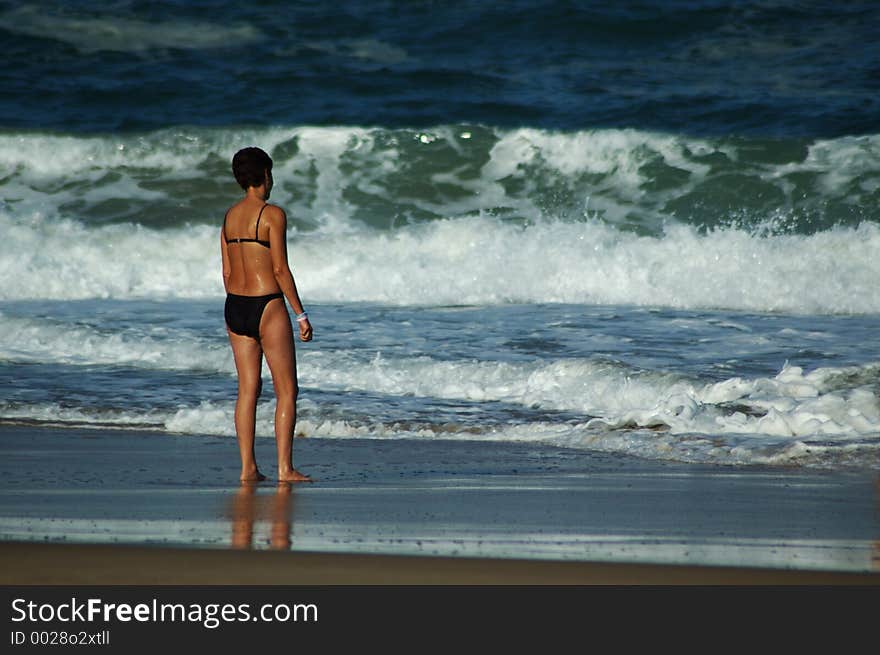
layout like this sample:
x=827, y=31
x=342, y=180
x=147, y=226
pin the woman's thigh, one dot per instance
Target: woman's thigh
x=248, y=356
x=276, y=337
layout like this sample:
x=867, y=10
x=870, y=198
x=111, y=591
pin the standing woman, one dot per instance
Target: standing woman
x=257, y=278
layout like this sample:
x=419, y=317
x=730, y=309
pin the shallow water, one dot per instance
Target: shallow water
x=709, y=386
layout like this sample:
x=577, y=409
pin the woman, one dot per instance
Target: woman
x=257, y=278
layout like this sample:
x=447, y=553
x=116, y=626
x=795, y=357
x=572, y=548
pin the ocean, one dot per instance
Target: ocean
x=648, y=229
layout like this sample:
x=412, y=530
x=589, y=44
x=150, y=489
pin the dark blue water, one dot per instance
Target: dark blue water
x=687, y=66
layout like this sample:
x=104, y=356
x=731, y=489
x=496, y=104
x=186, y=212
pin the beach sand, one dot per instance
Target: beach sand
x=77, y=564
x=97, y=507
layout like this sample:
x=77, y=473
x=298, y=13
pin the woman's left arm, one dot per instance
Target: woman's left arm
x=224, y=255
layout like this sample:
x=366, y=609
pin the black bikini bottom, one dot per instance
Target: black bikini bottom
x=243, y=313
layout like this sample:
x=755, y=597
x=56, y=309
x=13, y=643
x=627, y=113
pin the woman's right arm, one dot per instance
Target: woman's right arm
x=281, y=268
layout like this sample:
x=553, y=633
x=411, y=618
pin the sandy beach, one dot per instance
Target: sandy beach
x=125, y=507
x=84, y=565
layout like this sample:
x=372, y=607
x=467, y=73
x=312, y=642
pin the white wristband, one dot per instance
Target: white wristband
x=302, y=317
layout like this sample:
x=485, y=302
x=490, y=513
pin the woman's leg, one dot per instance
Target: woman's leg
x=244, y=513
x=282, y=516
x=248, y=357
x=276, y=336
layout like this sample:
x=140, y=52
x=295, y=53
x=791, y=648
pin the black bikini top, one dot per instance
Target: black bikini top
x=262, y=242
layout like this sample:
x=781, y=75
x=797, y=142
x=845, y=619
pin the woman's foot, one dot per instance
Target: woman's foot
x=253, y=475
x=292, y=476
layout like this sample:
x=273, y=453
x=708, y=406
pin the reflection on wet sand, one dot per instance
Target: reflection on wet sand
x=249, y=507
x=875, y=551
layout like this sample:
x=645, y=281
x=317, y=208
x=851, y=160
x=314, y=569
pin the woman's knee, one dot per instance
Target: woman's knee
x=250, y=388
x=286, y=391
x=291, y=392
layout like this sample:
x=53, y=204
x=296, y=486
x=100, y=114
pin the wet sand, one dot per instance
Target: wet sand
x=123, y=507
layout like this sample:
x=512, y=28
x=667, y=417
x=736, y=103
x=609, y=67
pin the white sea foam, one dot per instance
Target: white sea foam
x=645, y=413
x=65, y=260
x=465, y=261
x=615, y=158
x=344, y=186
x=485, y=261
x=54, y=414
x=793, y=416
x=793, y=404
x=342, y=174
x=748, y=444
x=45, y=341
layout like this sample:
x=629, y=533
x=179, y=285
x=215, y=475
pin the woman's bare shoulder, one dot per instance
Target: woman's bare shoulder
x=275, y=215
x=234, y=209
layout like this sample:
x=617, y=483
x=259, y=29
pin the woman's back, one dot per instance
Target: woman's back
x=246, y=229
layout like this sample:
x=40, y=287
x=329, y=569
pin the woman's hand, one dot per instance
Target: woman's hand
x=305, y=330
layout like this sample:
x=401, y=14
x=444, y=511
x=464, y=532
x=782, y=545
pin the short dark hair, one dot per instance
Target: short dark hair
x=250, y=165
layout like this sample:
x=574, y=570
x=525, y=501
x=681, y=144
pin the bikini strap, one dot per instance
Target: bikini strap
x=225, y=218
x=257, y=229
